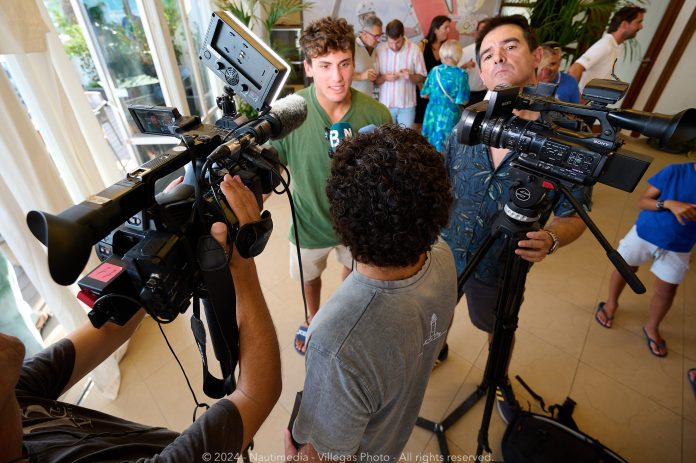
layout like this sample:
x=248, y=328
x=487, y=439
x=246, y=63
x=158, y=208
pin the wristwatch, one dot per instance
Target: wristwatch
x=660, y=204
x=555, y=244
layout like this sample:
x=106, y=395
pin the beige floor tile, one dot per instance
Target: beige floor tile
x=464, y=432
x=169, y=387
x=637, y=428
x=148, y=352
x=623, y=356
x=557, y=322
x=445, y=382
x=689, y=451
x=464, y=338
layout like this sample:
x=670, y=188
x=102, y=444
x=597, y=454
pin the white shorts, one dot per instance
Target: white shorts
x=668, y=266
x=314, y=261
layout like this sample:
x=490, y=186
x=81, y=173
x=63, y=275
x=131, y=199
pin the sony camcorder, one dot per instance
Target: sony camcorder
x=559, y=145
x=154, y=248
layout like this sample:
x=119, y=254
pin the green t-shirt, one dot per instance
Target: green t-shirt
x=306, y=152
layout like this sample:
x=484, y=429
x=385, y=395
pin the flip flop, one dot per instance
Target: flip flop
x=600, y=308
x=654, y=345
x=692, y=380
x=300, y=336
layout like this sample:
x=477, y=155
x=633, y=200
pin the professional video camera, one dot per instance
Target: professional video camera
x=556, y=146
x=156, y=251
x=556, y=152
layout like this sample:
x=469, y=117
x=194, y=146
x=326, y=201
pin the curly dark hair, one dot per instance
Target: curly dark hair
x=327, y=35
x=389, y=196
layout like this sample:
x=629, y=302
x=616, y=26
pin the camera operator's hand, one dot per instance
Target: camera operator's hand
x=536, y=247
x=241, y=200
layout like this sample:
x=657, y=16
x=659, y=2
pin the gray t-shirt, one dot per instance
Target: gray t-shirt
x=56, y=431
x=370, y=352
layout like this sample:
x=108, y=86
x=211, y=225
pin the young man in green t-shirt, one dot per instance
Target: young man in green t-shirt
x=329, y=48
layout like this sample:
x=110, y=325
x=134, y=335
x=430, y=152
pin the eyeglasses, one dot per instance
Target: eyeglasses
x=379, y=38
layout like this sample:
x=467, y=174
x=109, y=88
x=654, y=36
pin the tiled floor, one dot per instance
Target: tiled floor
x=638, y=405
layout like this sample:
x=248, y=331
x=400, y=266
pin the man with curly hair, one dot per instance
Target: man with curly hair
x=329, y=48
x=372, y=346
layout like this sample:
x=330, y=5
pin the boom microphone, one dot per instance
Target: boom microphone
x=285, y=115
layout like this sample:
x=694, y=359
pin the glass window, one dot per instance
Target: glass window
x=198, y=16
x=120, y=38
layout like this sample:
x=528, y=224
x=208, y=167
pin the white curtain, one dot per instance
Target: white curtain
x=49, y=170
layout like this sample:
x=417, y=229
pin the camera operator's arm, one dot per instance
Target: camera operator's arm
x=682, y=211
x=259, y=383
x=94, y=345
x=536, y=248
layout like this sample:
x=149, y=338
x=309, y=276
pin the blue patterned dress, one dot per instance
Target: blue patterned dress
x=442, y=112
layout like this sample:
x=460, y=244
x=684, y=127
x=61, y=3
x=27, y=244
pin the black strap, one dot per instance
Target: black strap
x=221, y=317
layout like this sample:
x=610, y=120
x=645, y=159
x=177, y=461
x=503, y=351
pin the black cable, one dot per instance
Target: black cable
x=188, y=383
x=286, y=186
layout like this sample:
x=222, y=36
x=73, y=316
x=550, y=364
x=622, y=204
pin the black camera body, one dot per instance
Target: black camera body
x=557, y=145
x=156, y=247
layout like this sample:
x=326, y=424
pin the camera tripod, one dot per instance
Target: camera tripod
x=528, y=202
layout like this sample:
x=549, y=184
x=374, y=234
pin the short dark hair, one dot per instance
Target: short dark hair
x=395, y=29
x=627, y=13
x=435, y=24
x=514, y=20
x=389, y=195
x=325, y=35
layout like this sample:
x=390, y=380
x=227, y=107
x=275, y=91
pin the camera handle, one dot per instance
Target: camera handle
x=528, y=199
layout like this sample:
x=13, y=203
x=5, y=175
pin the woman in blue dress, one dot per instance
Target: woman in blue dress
x=446, y=88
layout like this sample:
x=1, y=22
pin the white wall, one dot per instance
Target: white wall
x=626, y=69
x=680, y=91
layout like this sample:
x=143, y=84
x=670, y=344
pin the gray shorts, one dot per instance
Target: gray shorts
x=481, y=299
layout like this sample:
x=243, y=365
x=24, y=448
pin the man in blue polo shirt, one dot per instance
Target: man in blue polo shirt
x=666, y=232
x=567, y=87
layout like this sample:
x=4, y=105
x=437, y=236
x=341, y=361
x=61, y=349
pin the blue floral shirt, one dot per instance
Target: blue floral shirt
x=480, y=192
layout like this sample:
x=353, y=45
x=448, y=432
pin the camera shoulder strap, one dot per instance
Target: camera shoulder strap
x=220, y=315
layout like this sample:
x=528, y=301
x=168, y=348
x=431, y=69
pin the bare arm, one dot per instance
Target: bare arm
x=537, y=246
x=94, y=345
x=417, y=78
x=576, y=70
x=683, y=212
x=259, y=383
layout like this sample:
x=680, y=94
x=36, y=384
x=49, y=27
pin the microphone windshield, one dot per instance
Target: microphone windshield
x=288, y=114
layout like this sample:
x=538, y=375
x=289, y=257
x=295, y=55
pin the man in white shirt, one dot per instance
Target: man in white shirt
x=400, y=67
x=477, y=89
x=598, y=61
x=365, y=74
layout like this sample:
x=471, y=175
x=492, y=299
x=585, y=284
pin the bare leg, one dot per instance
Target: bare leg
x=313, y=294
x=662, y=299
x=616, y=287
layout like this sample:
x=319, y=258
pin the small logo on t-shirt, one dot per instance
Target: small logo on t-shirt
x=434, y=333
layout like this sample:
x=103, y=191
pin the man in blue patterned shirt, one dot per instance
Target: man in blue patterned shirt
x=507, y=54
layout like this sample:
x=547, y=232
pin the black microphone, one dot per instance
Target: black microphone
x=285, y=115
